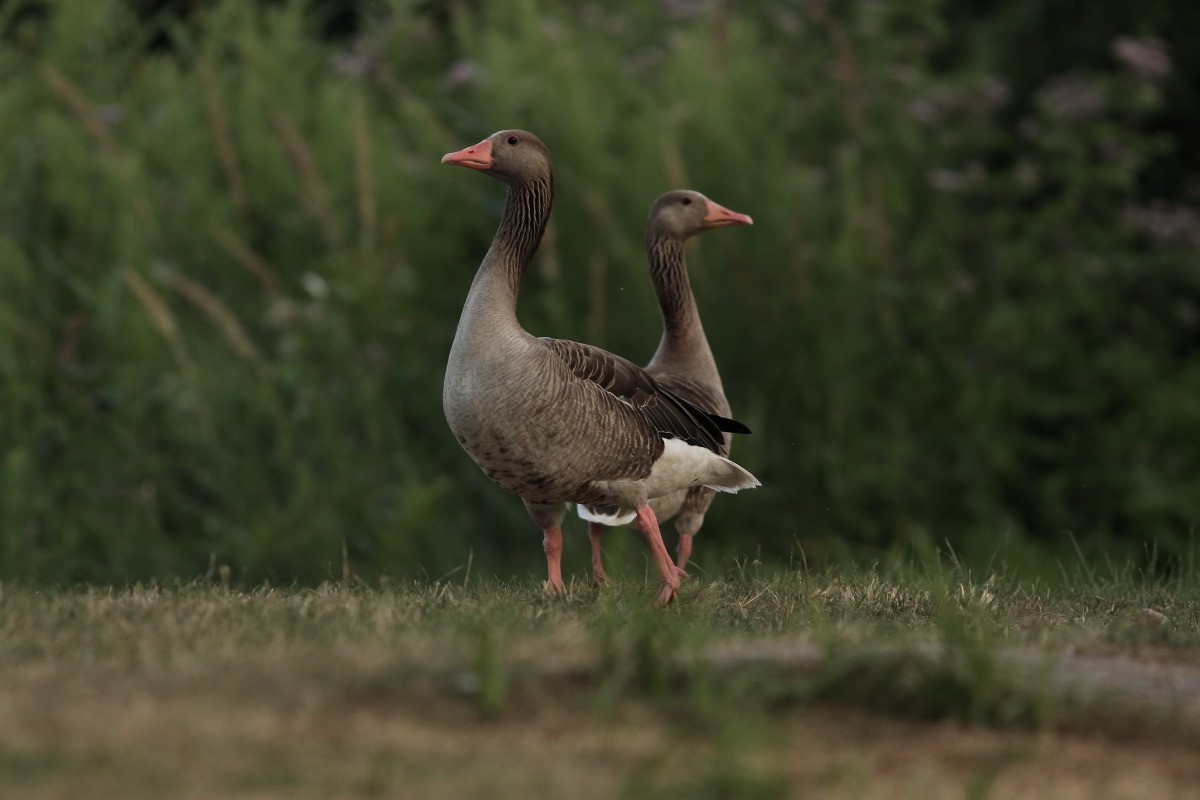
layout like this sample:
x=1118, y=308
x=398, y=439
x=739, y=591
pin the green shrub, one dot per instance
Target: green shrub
x=231, y=265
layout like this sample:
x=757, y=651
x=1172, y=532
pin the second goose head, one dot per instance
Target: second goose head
x=683, y=213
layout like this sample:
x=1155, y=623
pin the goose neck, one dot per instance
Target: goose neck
x=672, y=287
x=494, y=291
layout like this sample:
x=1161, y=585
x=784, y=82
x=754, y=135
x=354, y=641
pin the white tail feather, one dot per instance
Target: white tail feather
x=683, y=465
x=735, y=479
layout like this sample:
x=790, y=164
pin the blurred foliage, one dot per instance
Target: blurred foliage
x=231, y=266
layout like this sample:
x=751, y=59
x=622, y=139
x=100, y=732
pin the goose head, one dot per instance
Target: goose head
x=511, y=156
x=683, y=213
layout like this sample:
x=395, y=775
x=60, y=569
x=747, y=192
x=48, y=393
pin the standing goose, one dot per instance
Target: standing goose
x=557, y=422
x=683, y=363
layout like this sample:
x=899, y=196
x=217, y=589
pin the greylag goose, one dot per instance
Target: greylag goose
x=683, y=363
x=558, y=422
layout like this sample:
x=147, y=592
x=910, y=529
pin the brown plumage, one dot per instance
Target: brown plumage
x=683, y=364
x=557, y=422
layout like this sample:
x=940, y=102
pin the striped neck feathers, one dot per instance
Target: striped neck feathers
x=526, y=212
x=672, y=286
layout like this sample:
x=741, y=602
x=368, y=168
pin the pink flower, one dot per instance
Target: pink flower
x=1146, y=57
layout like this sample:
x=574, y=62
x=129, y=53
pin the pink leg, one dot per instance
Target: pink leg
x=552, y=544
x=685, y=549
x=596, y=531
x=669, y=572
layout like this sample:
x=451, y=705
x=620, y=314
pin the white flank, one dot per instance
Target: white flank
x=604, y=519
x=684, y=465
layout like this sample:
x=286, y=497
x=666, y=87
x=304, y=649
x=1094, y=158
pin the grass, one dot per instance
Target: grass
x=876, y=683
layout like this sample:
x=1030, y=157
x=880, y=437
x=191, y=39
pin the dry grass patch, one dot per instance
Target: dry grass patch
x=856, y=685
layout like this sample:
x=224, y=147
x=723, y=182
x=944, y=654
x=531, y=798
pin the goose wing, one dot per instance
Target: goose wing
x=669, y=414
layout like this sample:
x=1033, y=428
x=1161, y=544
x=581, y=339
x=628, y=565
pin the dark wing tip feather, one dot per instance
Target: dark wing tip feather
x=699, y=427
x=729, y=425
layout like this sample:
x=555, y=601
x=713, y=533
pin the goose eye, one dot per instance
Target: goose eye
x=513, y=140
x=687, y=201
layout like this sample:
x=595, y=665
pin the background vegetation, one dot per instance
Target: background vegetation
x=231, y=265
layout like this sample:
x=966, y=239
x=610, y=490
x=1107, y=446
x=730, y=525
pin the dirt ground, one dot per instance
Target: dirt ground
x=98, y=734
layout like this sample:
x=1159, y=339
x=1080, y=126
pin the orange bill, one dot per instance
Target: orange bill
x=719, y=215
x=477, y=156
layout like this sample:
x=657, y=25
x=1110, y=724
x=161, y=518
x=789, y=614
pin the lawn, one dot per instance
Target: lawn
x=917, y=682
